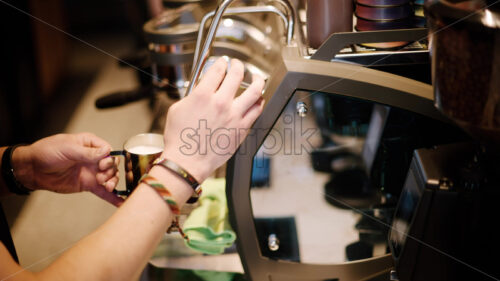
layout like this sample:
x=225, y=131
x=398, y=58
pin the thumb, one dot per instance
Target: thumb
x=91, y=154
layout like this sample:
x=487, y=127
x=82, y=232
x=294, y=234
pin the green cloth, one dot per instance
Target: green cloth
x=214, y=275
x=207, y=227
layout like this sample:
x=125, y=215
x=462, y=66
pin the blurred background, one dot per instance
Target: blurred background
x=44, y=71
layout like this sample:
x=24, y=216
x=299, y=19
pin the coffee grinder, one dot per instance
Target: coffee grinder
x=444, y=221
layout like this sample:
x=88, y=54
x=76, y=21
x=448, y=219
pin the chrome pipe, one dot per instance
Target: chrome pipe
x=219, y=11
x=235, y=11
x=291, y=18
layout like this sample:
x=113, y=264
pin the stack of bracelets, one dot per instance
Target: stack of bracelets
x=167, y=196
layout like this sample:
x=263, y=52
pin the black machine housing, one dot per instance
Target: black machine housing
x=443, y=225
x=295, y=74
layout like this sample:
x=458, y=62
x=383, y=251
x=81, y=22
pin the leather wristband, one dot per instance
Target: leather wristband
x=178, y=170
x=11, y=182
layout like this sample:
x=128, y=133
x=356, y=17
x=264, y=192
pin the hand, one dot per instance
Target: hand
x=69, y=163
x=204, y=129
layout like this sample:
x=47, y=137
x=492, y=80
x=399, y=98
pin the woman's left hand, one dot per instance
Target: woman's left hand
x=68, y=163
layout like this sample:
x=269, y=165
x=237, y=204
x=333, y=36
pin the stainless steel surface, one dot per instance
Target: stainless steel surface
x=172, y=78
x=172, y=39
x=273, y=243
x=239, y=39
x=174, y=25
x=203, y=56
x=168, y=69
x=292, y=17
x=301, y=109
x=236, y=37
x=394, y=276
x=138, y=162
x=234, y=11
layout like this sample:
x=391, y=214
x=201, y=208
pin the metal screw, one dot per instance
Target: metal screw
x=445, y=184
x=273, y=242
x=301, y=109
x=394, y=276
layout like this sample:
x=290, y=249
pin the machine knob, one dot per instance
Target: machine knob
x=273, y=242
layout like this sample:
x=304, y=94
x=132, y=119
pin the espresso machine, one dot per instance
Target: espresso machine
x=366, y=163
x=426, y=178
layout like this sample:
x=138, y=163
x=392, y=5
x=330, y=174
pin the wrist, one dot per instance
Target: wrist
x=190, y=163
x=22, y=165
x=180, y=190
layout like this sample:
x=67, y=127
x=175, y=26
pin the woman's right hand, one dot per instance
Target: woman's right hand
x=204, y=129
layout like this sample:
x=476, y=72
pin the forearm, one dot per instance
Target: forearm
x=120, y=248
x=117, y=250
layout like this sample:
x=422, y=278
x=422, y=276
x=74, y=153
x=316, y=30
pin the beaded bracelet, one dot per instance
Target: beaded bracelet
x=181, y=172
x=167, y=196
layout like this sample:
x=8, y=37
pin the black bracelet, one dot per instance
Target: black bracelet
x=178, y=170
x=8, y=173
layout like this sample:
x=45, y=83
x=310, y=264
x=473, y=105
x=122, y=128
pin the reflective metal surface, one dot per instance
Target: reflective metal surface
x=239, y=30
x=204, y=53
x=253, y=40
x=273, y=242
x=172, y=39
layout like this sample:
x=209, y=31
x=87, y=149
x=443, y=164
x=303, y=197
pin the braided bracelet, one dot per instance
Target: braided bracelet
x=178, y=170
x=167, y=196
